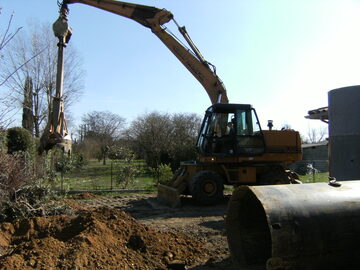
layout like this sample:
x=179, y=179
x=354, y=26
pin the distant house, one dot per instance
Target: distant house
x=315, y=155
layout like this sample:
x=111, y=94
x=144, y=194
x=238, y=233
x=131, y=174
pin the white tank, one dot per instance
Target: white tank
x=344, y=133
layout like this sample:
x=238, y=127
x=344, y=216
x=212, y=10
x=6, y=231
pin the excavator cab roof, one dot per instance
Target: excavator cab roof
x=228, y=107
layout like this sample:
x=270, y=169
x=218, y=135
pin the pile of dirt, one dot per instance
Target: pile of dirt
x=84, y=196
x=103, y=238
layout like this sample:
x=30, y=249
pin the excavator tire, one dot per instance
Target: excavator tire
x=207, y=187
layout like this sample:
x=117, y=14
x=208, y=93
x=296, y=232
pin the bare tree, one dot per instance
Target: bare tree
x=150, y=134
x=6, y=108
x=34, y=57
x=163, y=138
x=183, y=137
x=7, y=35
x=101, y=130
x=7, y=111
x=315, y=135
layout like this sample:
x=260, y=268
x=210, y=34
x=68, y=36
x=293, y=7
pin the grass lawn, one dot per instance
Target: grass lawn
x=96, y=176
x=314, y=178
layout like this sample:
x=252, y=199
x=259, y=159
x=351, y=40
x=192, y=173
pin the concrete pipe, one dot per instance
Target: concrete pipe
x=307, y=227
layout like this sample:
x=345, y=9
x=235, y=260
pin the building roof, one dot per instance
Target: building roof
x=320, y=114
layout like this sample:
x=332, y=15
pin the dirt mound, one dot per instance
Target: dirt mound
x=84, y=196
x=100, y=239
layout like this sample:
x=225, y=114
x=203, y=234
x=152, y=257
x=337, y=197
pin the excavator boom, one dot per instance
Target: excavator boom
x=145, y=15
x=154, y=19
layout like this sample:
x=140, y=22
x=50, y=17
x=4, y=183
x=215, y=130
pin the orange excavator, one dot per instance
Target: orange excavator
x=232, y=147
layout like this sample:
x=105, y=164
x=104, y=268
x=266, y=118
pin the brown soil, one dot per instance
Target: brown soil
x=84, y=196
x=103, y=236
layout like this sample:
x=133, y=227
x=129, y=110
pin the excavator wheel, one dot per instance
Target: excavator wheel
x=207, y=187
x=279, y=176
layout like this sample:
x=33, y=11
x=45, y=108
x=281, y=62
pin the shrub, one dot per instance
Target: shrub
x=162, y=174
x=64, y=163
x=19, y=139
x=117, y=153
x=14, y=172
x=43, y=168
x=21, y=193
x=31, y=201
x=78, y=160
x=128, y=169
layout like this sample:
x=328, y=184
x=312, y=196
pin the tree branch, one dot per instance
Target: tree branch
x=18, y=68
x=7, y=38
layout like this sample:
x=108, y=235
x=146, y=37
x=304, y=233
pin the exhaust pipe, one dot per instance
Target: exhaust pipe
x=307, y=227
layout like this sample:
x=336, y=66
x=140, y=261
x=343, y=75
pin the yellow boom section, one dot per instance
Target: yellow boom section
x=154, y=19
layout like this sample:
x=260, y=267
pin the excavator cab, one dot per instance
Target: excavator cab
x=230, y=130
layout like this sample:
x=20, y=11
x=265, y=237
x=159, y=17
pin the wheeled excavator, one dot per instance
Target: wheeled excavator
x=232, y=147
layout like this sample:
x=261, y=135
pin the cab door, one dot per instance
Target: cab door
x=249, y=139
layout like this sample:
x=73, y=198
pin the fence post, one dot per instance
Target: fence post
x=313, y=171
x=111, y=176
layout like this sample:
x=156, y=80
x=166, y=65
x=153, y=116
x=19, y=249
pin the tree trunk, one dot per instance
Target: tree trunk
x=104, y=158
x=36, y=114
x=28, y=115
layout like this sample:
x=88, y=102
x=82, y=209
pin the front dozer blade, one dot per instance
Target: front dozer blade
x=169, y=196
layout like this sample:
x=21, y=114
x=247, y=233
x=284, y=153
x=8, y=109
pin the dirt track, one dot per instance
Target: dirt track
x=199, y=222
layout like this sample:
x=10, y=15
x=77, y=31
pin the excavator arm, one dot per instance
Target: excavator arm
x=56, y=132
x=154, y=18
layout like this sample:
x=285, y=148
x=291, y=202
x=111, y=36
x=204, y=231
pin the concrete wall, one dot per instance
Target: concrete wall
x=314, y=154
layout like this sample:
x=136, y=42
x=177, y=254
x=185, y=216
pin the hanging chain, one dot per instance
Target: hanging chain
x=63, y=9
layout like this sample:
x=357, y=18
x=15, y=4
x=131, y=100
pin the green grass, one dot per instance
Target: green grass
x=314, y=178
x=96, y=176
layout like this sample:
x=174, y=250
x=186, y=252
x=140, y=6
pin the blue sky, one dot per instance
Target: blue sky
x=280, y=56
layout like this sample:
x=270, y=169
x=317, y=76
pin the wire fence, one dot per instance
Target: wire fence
x=98, y=177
